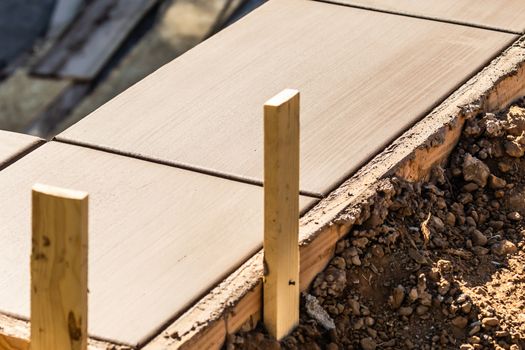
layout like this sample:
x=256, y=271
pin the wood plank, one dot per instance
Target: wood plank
x=14, y=145
x=160, y=237
x=281, y=213
x=362, y=84
x=507, y=15
x=89, y=43
x=59, y=289
x=237, y=299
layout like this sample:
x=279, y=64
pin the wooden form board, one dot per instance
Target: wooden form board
x=506, y=15
x=364, y=78
x=89, y=43
x=13, y=145
x=59, y=266
x=159, y=236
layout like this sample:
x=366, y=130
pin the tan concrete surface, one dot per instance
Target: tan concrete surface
x=13, y=145
x=364, y=77
x=498, y=14
x=159, y=237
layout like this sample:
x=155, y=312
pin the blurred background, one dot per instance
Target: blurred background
x=62, y=59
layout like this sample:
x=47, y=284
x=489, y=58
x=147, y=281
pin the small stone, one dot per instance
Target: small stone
x=397, y=297
x=355, y=306
x=496, y=183
x=475, y=170
x=316, y=311
x=466, y=307
x=421, y=310
x=476, y=327
x=444, y=266
x=451, y=219
x=332, y=346
x=470, y=221
x=515, y=121
x=490, y=322
x=339, y=262
x=504, y=167
x=360, y=323
x=516, y=200
x=466, y=347
x=406, y=311
x=514, y=149
x=478, y=238
x=470, y=187
x=371, y=332
x=459, y=321
x=501, y=334
x=356, y=260
x=378, y=251
x=368, y=344
x=413, y=295
x=504, y=248
x=514, y=216
x=360, y=242
x=479, y=251
x=493, y=126
x=474, y=339
x=472, y=129
x=425, y=298
x=444, y=287
x=352, y=251
x=438, y=223
x=369, y=321
x=434, y=274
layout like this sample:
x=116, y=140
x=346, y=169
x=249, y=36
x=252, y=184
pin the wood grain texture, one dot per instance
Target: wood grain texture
x=506, y=15
x=364, y=78
x=281, y=213
x=160, y=237
x=12, y=145
x=59, y=270
x=91, y=40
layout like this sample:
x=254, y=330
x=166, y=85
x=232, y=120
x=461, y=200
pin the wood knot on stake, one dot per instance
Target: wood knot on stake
x=281, y=213
x=59, y=269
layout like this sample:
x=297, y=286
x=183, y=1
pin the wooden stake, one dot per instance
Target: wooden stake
x=281, y=213
x=59, y=269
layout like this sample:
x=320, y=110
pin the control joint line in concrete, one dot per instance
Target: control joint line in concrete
x=188, y=167
x=430, y=18
x=22, y=154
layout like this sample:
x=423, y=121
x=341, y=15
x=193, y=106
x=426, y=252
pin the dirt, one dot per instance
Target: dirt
x=442, y=269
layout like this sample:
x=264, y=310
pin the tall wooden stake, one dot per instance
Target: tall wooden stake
x=59, y=269
x=281, y=213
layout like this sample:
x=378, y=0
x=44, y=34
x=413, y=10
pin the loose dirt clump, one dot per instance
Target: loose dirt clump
x=443, y=270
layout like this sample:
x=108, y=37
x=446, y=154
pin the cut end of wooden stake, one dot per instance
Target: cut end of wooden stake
x=59, y=192
x=282, y=97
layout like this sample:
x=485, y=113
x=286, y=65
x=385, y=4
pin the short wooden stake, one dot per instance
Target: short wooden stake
x=281, y=213
x=59, y=269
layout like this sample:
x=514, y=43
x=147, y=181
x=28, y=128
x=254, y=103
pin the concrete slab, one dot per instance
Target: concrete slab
x=12, y=145
x=159, y=237
x=364, y=78
x=508, y=15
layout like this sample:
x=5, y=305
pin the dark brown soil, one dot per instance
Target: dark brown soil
x=443, y=270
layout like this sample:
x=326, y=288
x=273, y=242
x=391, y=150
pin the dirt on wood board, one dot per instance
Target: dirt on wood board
x=440, y=266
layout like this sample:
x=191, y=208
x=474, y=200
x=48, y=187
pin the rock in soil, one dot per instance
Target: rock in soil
x=440, y=266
